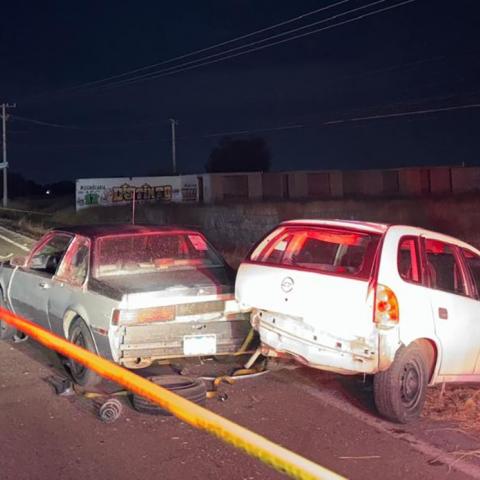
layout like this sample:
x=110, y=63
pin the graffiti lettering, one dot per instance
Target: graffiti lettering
x=124, y=193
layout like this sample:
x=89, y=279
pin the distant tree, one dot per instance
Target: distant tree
x=19, y=186
x=239, y=155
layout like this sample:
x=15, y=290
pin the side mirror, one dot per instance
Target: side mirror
x=18, y=261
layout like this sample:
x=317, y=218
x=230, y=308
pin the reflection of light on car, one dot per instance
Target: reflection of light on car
x=398, y=302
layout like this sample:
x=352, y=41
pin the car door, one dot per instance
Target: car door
x=472, y=262
x=67, y=286
x=30, y=285
x=455, y=312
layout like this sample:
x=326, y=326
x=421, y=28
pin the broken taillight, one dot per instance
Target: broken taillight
x=386, y=307
x=143, y=315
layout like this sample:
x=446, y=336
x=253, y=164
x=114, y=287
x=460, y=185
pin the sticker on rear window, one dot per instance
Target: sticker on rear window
x=198, y=242
x=281, y=246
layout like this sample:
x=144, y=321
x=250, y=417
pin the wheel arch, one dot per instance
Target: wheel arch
x=70, y=316
x=432, y=348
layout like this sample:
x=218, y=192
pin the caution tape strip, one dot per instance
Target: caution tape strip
x=255, y=445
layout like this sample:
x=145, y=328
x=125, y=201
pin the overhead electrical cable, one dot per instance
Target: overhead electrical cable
x=196, y=52
x=45, y=124
x=329, y=123
x=187, y=66
x=256, y=42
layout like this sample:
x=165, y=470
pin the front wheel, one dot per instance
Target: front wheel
x=80, y=335
x=400, y=391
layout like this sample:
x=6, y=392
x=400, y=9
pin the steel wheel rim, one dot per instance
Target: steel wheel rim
x=411, y=384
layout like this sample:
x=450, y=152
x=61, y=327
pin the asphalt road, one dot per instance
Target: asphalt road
x=327, y=418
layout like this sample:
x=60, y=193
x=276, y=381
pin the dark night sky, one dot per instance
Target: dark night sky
x=423, y=55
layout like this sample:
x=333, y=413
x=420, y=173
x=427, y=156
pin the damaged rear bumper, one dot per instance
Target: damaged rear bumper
x=320, y=351
x=142, y=345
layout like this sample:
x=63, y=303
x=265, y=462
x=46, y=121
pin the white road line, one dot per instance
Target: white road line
x=386, y=427
x=18, y=245
x=27, y=238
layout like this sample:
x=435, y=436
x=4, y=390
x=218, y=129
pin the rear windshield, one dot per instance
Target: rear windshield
x=146, y=253
x=326, y=250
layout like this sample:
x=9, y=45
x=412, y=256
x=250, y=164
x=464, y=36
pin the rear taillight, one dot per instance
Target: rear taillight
x=386, y=307
x=143, y=315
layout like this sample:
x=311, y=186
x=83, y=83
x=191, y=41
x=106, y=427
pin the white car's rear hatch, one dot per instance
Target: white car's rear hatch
x=310, y=285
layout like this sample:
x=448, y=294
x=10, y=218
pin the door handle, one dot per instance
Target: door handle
x=443, y=313
x=44, y=285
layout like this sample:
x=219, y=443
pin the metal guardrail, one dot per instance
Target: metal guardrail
x=257, y=446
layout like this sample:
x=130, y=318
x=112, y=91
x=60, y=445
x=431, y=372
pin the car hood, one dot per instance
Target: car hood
x=157, y=285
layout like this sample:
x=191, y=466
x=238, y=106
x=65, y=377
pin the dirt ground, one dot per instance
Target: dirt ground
x=326, y=418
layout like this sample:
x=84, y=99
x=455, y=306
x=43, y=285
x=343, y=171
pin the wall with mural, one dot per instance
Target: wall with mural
x=121, y=191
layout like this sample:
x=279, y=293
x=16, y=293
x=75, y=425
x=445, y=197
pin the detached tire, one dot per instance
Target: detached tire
x=399, y=392
x=192, y=389
x=80, y=335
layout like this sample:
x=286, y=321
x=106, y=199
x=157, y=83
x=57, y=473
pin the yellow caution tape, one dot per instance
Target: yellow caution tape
x=255, y=445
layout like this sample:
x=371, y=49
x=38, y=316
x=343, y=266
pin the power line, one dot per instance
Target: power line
x=45, y=124
x=189, y=54
x=329, y=123
x=403, y=114
x=256, y=42
x=184, y=67
x=212, y=47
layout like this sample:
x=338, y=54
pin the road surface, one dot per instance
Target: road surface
x=327, y=418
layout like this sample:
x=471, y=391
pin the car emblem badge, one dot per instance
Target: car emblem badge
x=287, y=284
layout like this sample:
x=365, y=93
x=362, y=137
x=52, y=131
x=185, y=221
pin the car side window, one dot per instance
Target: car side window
x=472, y=261
x=443, y=268
x=408, y=260
x=277, y=250
x=74, y=268
x=49, y=255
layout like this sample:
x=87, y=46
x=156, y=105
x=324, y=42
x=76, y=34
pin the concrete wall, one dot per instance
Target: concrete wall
x=236, y=227
x=309, y=185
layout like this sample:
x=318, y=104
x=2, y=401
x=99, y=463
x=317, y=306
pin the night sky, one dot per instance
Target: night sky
x=420, y=56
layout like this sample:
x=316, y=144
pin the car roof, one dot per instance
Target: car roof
x=380, y=228
x=358, y=225
x=102, y=230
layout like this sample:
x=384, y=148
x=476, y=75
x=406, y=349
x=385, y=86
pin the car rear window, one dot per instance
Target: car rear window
x=322, y=249
x=146, y=253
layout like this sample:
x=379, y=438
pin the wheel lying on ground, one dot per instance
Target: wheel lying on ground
x=192, y=389
x=400, y=391
x=80, y=335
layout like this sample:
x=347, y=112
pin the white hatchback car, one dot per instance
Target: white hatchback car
x=399, y=302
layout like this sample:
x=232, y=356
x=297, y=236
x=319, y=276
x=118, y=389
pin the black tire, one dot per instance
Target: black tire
x=80, y=335
x=7, y=332
x=400, y=391
x=192, y=389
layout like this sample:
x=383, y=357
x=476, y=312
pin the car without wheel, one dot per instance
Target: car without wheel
x=133, y=294
x=397, y=302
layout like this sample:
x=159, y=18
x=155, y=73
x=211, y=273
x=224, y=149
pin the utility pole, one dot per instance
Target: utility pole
x=173, y=124
x=4, y=164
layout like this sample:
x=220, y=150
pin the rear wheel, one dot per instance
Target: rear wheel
x=400, y=391
x=80, y=335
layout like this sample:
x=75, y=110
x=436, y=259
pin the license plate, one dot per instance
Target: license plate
x=194, y=345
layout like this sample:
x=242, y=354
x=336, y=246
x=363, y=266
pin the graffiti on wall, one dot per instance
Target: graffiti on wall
x=103, y=192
